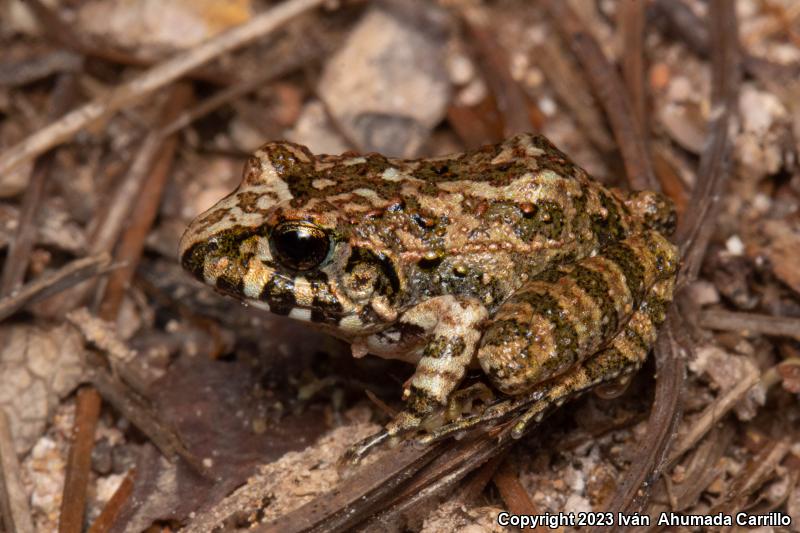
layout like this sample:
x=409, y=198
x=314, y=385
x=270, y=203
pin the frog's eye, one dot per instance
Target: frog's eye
x=299, y=245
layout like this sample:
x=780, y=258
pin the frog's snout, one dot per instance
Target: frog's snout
x=192, y=256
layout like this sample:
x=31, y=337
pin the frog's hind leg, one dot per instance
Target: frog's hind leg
x=567, y=314
x=617, y=361
x=609, y=364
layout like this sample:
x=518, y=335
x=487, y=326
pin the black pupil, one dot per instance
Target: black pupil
x=298, y=246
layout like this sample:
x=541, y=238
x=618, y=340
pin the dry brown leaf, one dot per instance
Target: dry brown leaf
x=38, y=367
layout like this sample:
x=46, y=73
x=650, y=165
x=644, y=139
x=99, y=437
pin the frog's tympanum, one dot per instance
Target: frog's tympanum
x=509, y=257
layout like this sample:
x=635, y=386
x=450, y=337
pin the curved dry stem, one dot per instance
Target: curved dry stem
x=694, y=233
x=149, y=81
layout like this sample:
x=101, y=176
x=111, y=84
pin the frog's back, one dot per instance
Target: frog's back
x=482, y=222
x=496, y=165
x=476, y=223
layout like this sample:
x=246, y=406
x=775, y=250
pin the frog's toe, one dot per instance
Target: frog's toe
x=356, y=453
x=453, y=429
x=469, y=401
x=614, y=388
x=534, y=414
x=402, y=424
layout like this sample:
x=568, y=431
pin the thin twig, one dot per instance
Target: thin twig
x=677, y=18
x=438, y=478
x=693, y=234
x=671, y=183
x=712, y=414
x=40, y=66
x=110, y=223
x=76, y=484
x=145, y=208
x=757, y=471
x=103, y=335
x=209, y=105
x=664, y=417
x=703, y=467
x=611, y=92
x=149, y=81
x=290, y=54
x=21, y=246
x=513, y=493
x=780, y=326
x=632, y=22
x=67, y=276
x=114, y=505
x=682, y=20
x=56, y=28
x=695, y=230
x=563, y=76
x=511, y=101
x=15, y=515
x=62, y=32
x=474, y=487
x=19, y=251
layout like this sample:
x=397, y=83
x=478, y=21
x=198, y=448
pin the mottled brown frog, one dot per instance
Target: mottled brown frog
x=509, y=257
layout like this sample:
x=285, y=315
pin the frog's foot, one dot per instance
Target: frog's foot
x=460, y=407
x=402, y=424
x=494, y=412
x=462, y=402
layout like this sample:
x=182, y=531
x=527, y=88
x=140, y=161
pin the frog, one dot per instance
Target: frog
x=508, y=260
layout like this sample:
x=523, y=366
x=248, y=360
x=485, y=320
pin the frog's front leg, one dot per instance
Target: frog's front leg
x=452, y=327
